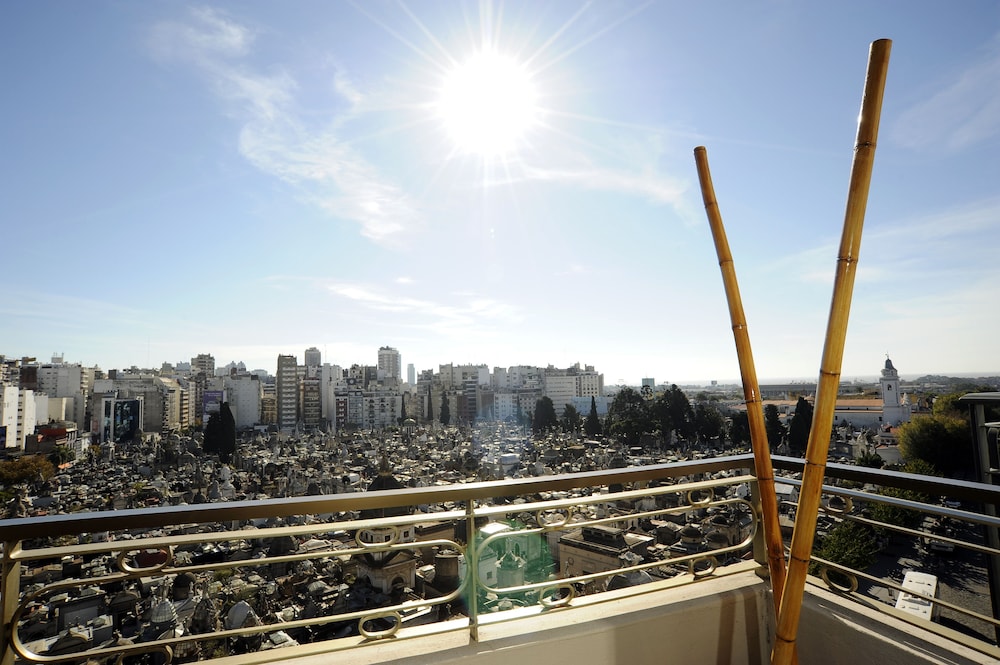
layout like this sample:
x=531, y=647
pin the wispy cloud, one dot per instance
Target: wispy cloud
x=934, y=246
x=209, y=34
x=66, y=313
x=659, y=189
x=273, y=136
x=465, y=313
x=959, y=115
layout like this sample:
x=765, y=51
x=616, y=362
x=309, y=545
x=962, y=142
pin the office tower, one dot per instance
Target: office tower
x=287, y=389
x=389, y=362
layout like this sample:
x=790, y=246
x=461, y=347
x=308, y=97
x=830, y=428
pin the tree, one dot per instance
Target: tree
x=798, y=429
x=899, y=516
x=628, y=416
x=681, y=413
x=402, y=410
x=228, y=442
x=61, y=455
x=851, y=544
x=445, y=416
x=571, y=419
x=773, y=426
x=220, y=434
x=940, y=440
x=545, y=417
x=660, y=416
x=593, y=425
x=870, y=459
x=213, y=435
x=709, y=422
x=739, y=431
x=948, y=405
x=25, y=469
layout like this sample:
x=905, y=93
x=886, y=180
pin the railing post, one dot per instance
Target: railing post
x=10, y=588
x=987, y=460
x=472, y=570
x=759, y=544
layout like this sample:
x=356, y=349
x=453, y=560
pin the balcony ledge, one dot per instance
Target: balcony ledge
x=724, y=619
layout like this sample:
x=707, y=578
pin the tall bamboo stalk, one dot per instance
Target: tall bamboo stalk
x=833, y=355
x=751, y=390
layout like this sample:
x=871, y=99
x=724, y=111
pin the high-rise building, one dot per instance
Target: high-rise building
x=287, y=389
x=244, y=395
x=67, y=380
x=389, y=363
x=411, y=374
x=17, y=416
x=203, y=362
x=313, y=358
x=312, y=403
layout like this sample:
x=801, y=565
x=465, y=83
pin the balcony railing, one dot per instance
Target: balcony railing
x=350, y=570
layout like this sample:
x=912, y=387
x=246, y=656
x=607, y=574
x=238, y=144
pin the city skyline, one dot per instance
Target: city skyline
x=495, y=183
x=609, y=383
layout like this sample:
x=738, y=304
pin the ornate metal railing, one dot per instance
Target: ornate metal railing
x=107, y=586
x=929, y=525
x=333, y=572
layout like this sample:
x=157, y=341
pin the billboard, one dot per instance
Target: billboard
x=212, y=402
x=121, y=419
x=127, y=419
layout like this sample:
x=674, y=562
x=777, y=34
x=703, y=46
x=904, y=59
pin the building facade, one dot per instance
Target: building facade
x=389, y=363
x=287, y=391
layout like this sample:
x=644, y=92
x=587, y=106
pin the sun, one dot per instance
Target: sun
x=488, y=104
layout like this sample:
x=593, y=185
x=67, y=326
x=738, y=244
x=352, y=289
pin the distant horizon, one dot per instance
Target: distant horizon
x=866, y=378
x=608, y=382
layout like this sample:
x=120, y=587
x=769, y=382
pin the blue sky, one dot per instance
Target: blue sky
x=254, y=178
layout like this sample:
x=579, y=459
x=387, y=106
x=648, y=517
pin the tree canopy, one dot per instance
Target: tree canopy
x=445, y=416
x=571, y=419
x=545, y=417
x=739, y=430
x=773, y=426
x=220, y=433
x=850, y=544
x=592, y=427
x=628, y=416
x=897, y=515
x=870, y=459
x=26, y=469
x=940, y=440
x=798, y=429
x=632, y=415
x=681, y=413
x=709, y=422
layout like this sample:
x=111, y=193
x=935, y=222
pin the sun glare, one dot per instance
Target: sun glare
x=487, y=104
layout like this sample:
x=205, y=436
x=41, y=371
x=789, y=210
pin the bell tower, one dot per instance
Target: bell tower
x=893, y=411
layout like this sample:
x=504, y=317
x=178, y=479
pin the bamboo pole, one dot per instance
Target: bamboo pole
x=751, y=391
x=833, y=355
